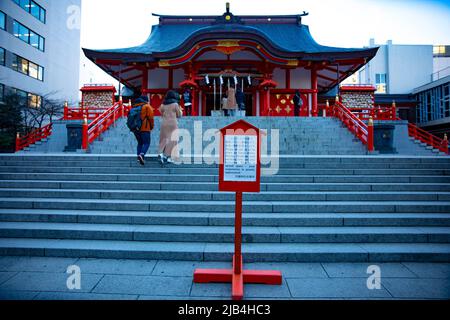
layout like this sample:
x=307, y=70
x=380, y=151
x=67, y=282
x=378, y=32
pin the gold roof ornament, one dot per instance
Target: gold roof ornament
x=163, y=63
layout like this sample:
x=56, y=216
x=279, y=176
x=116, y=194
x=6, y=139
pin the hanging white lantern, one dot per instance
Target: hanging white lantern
x=249, y=80
x=207, y=80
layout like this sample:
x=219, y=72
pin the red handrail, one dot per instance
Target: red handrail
x=33, y=137
x=377, y=113
x=102, y=123
x=79, y=113
x=426, y=137
x=356, y=126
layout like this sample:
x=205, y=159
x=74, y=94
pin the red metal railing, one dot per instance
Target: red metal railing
x=81, y=112
x=362, y=131
x=93, y=130
x=33, y=137
x=428, y=138
x=376, y=113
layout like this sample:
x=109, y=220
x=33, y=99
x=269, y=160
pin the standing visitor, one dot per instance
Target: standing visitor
x=225, y=105
x=231, y=103
x=187, y=98
x=298, y=103
x=141, y=122
x=168, y=138
x=240, y=99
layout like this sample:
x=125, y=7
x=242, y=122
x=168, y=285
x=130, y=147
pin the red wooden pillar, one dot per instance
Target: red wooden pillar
x=262, y=103
x=254, y=103
x=144, y=81
x=195, y=103
x=203, y=104
x=315, y=108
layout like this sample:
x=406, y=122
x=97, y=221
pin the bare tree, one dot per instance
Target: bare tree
x=49, y=110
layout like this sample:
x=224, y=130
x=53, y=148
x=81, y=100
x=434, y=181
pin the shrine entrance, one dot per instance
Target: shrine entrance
x=210, y=106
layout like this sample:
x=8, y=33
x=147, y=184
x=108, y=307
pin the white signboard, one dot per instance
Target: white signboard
x=240, y=157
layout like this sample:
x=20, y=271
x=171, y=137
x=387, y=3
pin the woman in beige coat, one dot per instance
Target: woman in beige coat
x=231, y=102
x=168, y=137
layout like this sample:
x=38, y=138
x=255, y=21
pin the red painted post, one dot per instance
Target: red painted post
x=121, y=106
x=238, y=234
x=394, y=110
x=17, y=142
x=445, y=142
x=238, y=275
x=66, y=110
x=85, y=134
x=370, y=146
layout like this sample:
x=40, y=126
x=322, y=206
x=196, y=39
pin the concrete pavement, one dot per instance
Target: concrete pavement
x=44, y=278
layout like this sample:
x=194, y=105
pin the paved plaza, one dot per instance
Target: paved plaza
x=43, y=278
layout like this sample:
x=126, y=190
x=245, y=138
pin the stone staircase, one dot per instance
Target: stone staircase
x=298, y=136
x=317, y=208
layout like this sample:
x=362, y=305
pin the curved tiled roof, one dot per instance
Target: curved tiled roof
x=288, y=38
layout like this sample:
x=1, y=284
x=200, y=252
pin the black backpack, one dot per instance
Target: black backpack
x=134, y=121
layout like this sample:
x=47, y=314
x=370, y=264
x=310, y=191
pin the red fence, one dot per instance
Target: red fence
x=93, y=130
x=428, y=138
x=376, y=113
x=361, y=130
x=33, y=137
x=91, y=113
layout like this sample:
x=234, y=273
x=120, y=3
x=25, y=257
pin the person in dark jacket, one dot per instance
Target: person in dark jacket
x=298, y=103
x=143, y=135
x=240, y=99
x=187, y=98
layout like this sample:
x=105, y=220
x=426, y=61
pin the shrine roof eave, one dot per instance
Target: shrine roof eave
x=131, y=58
x=282, y=40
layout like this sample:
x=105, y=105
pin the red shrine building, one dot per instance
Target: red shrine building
x=268, y=57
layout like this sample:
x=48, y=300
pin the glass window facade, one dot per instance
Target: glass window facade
x=26, y=98
x=380, y=82
x=33, y=8
x=34, y=101
x=2, y=20
x=434, y=103
x=28, y=36
x=27, y=67
x=2, y=56
x=2, y=92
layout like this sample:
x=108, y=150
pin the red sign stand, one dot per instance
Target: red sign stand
x=237, y=276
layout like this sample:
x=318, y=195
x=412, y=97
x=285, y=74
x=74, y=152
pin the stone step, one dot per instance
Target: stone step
x=252, y=252
x=225, y=219
x=214, y=178
x=227, y=206
x=223, y=234
x=285, y=160
x=173, y=169
x=152, y=164
x=206, y=186
x=270, y=196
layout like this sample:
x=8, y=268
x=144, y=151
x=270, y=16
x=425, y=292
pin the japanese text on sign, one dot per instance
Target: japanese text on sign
x=240, y=158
